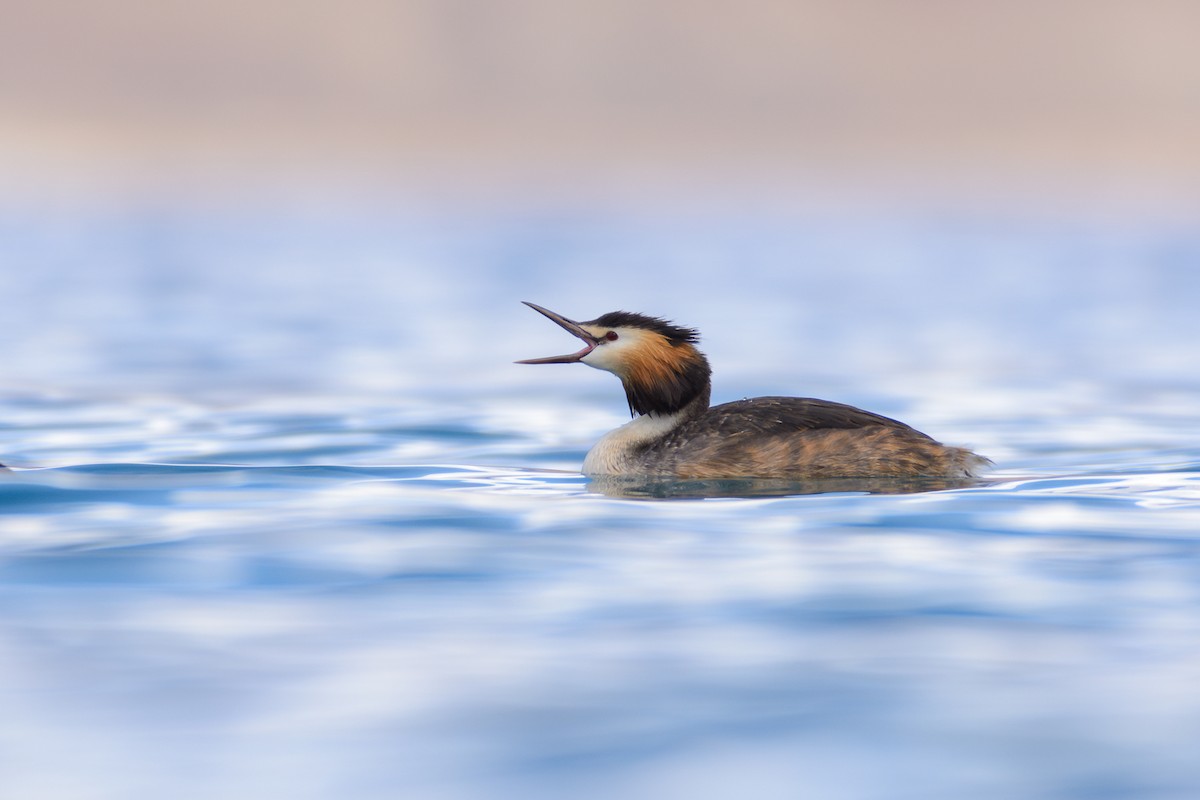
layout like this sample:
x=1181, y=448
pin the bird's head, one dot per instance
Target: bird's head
x=657, y=361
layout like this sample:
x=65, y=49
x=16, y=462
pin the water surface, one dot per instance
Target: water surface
x=286, y=521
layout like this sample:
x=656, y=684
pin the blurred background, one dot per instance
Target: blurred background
x=1036, y=106
x=285, y=192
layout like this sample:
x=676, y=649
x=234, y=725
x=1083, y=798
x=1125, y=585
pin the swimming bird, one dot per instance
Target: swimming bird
x=675, y=433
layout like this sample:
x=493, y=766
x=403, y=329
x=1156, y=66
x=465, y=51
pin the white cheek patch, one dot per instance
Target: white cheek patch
x=603, y=357
x=610, y=356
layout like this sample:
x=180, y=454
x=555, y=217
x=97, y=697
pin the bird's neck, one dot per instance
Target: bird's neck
x=668, y=388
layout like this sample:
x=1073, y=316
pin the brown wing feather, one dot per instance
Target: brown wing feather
x=799, y=437
x=781, y=415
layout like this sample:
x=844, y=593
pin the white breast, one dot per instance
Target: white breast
x=613, y=454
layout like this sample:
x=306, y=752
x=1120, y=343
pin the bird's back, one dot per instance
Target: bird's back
x=800, y=438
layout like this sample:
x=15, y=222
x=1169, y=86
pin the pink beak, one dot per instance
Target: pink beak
x=568, y=325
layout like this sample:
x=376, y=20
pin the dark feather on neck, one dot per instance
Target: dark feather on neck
x=672, y=391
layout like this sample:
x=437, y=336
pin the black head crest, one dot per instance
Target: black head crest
x=676, y=334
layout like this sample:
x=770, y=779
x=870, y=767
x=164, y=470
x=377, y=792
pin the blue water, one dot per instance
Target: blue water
x=285, y=521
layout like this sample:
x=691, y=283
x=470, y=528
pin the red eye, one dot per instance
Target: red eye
x=611, y=336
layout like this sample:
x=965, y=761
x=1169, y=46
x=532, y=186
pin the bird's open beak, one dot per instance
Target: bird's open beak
x=569, y=326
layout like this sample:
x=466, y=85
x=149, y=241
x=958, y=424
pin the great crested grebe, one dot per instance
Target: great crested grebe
x=676, y=434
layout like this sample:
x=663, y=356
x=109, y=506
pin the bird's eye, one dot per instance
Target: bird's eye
x=611, y=336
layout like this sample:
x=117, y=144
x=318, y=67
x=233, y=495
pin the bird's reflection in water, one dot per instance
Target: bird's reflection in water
x=660, y=488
